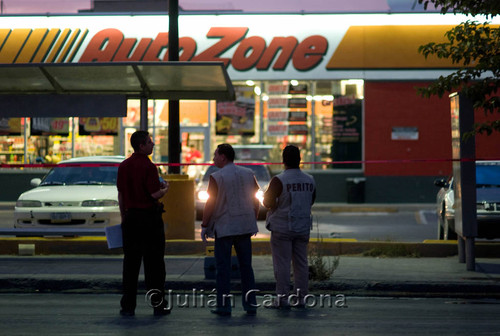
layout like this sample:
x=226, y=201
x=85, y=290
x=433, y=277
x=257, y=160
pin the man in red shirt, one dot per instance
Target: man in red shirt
x=139, y=189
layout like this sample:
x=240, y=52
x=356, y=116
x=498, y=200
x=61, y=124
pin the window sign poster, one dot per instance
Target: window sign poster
x=98, y=126
x=277, y=88
x=297, y=116
x=277, y=115
x=347, y=123
x=297, y=103
x=297, y=129
x=277, y=129
x=238, y=117
x=277, y=102
x=404, y=133
x=297, y=89
x=50, y=126
x=10, y=126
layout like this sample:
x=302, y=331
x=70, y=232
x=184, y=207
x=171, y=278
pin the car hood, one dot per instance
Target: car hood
x=70, y=193
x=488, y=195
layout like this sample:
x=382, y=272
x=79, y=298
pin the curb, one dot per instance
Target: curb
x=4, y=206
x=347, y=288
x=328, y=247
x=371, y=207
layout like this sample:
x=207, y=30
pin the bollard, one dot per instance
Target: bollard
x=179, y=215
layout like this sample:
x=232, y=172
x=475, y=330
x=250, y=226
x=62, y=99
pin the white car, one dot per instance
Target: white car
x=79, y=192
x=487, y=203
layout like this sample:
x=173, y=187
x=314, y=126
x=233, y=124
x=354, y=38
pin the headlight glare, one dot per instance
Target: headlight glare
x=99, y=203
x=203, y=195
x=260, y=196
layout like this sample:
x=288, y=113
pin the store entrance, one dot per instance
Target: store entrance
x=196, y=149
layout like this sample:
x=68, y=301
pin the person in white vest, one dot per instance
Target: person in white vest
x=230, y=216
x=289, y=198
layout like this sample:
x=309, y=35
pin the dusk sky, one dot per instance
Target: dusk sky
x=72, y=6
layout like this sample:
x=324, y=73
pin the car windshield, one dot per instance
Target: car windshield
x=487, y=176
x=261, y=173
x=78, y=175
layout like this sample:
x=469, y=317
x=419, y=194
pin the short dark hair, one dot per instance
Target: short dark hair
x=291, y=156
x=139, y=138
x=227, y=150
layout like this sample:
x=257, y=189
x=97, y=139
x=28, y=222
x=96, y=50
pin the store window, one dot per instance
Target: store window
x=323, y=118
x=194, y=119
x=11, y=140
x=51, y=140
x=339, y=126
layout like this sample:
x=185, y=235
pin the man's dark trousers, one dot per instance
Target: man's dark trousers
x=143, y=240
x=243, y=247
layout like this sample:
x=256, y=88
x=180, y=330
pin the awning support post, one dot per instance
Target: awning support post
x=143, y=124
x=174, y=144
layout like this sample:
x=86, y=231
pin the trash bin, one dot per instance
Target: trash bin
x=355, y=189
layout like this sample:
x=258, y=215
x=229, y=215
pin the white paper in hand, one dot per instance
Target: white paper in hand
x=114, y=236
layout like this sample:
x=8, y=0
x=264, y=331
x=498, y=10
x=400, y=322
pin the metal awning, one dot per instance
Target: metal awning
x=102, y=89
x=155, y=80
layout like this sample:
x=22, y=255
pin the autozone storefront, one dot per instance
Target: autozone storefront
x=340, y=86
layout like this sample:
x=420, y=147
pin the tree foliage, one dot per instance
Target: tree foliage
x=475, y=48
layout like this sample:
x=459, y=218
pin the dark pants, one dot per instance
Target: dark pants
x=243, y=247
x=143, y=240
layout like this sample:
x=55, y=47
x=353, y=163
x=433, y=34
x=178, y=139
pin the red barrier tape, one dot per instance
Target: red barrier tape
x=50, y=165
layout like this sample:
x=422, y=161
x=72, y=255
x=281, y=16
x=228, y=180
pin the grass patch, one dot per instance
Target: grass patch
x=321, y=268
x=391, y=251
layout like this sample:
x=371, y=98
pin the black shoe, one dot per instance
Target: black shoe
x=277, y=305
x=300, y=307
x=161, y=311
x=252, y=312
x=220, y=312
x=126, y=312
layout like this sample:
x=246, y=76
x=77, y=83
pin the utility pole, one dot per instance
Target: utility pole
x=174, y=145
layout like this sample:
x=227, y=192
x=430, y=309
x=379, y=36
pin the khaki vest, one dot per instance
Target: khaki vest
x=234, y=212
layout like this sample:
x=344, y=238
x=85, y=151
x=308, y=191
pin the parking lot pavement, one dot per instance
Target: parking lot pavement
x=354, y=275
x=97, y=314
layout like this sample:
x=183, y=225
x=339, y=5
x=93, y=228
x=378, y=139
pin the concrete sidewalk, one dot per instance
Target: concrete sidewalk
x=354, y=276
x=85, y=265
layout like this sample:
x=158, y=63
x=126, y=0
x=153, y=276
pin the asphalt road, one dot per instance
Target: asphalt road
x=402, y=226
x=406, y=226
x=89, y=314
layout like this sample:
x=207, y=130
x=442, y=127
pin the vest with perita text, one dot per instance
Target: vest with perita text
x=293, y=213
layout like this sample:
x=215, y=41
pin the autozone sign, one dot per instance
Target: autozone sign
x=251, y=52
x=311, y=46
